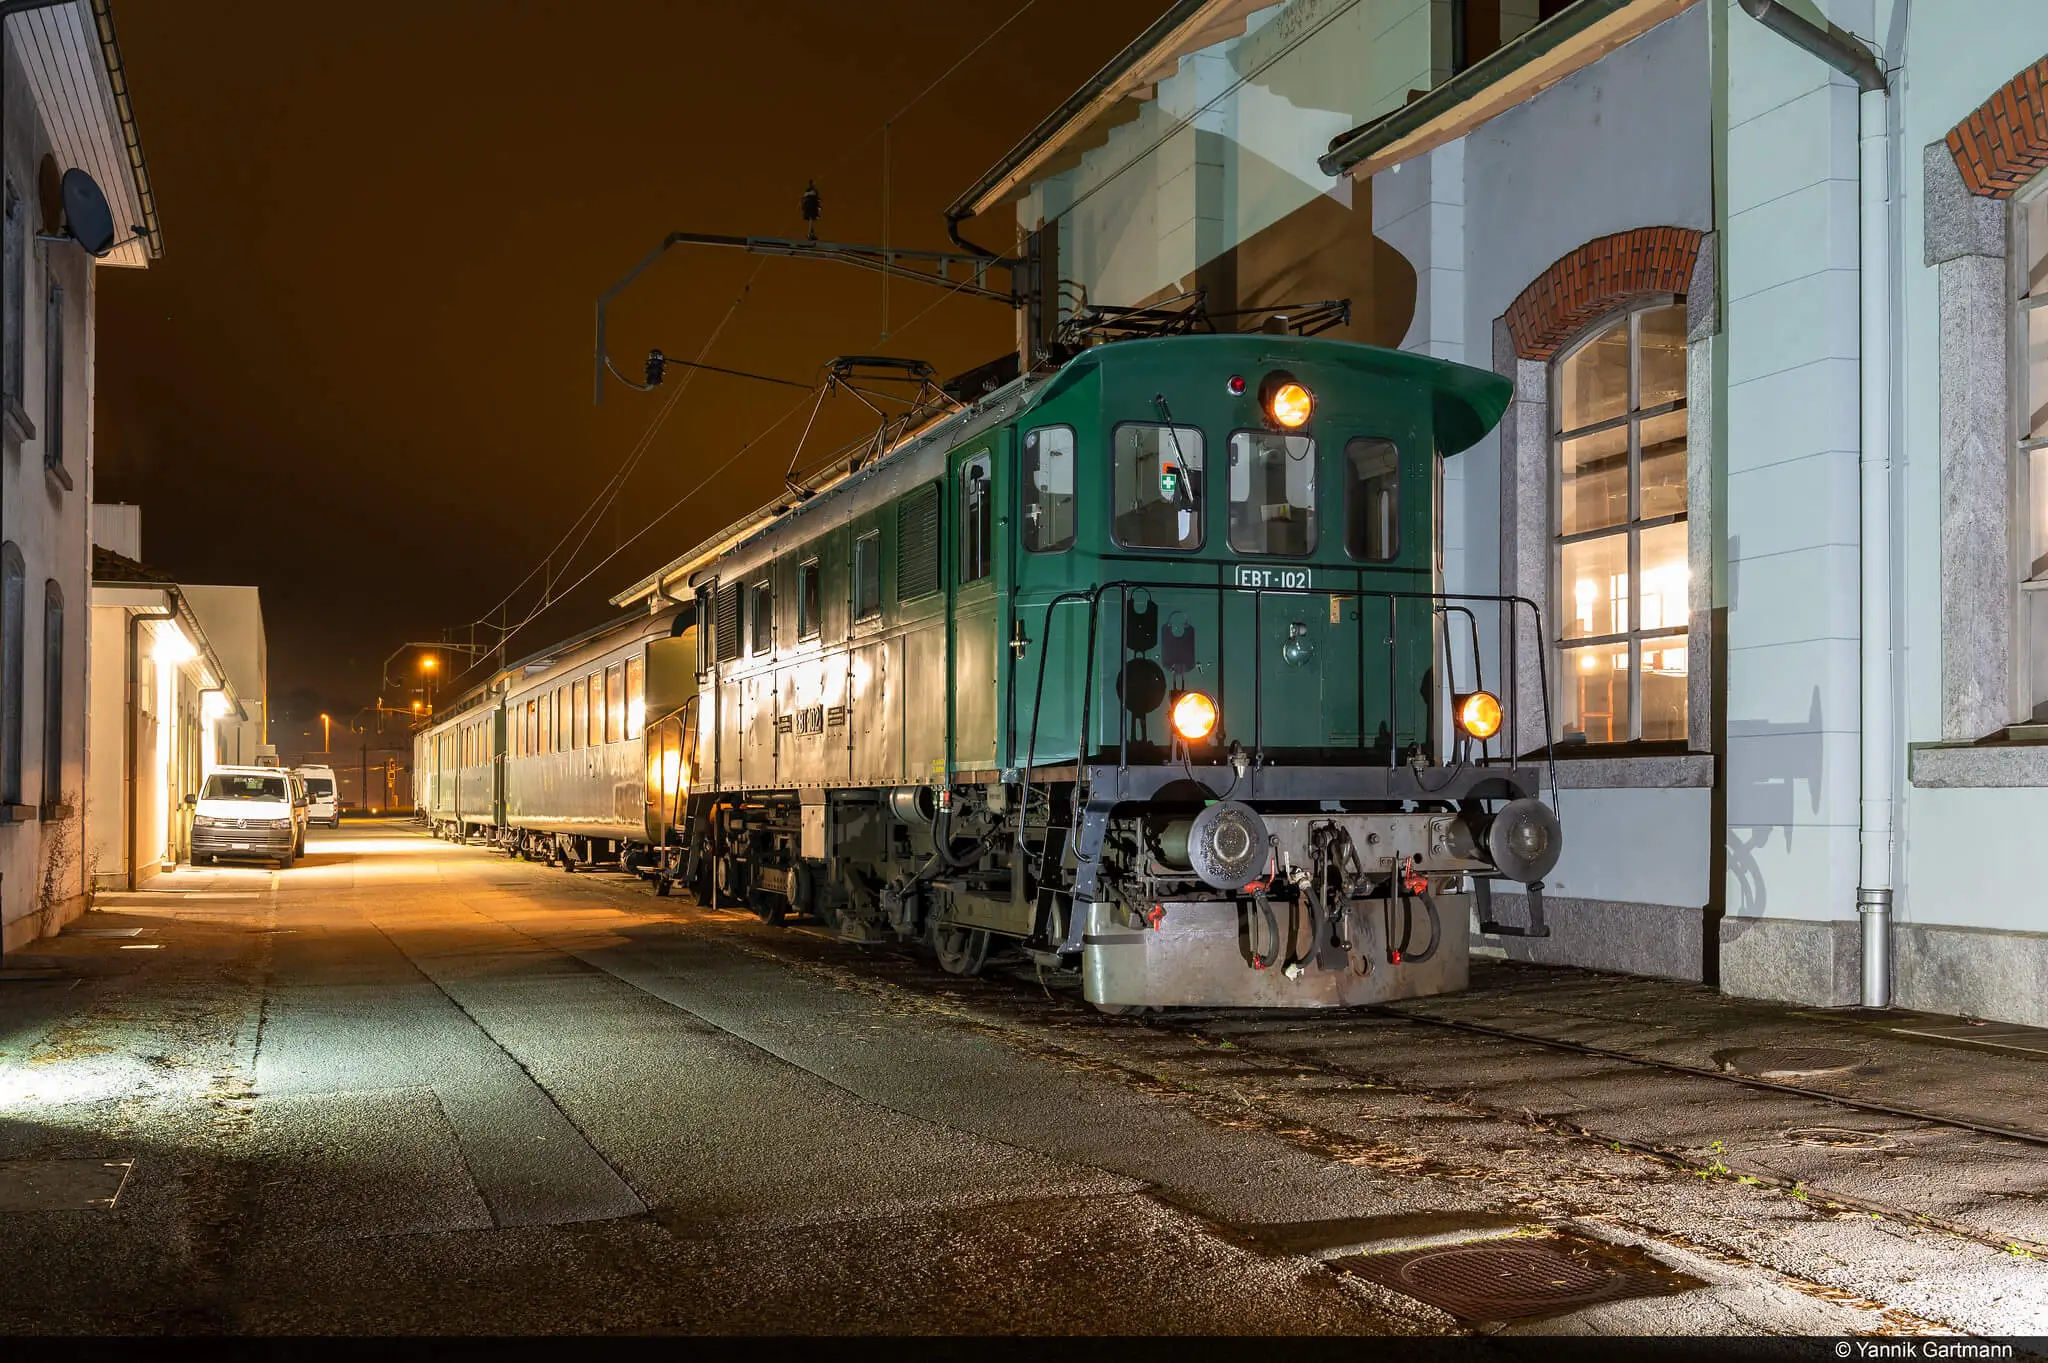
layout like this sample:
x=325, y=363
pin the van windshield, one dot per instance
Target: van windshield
x=221, y=786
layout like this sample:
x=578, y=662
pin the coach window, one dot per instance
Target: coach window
x=579, y=704
x=1272, y=493
x=1048, y=467
x=762, y=617
x=1372, y=500
x=533, y=726
x=636, y=697
x=1619, y=450
x=807, y=600
x=614, y=704
x=867, y=576
x=595, y=685
x=977, y=520
x=1158, y=487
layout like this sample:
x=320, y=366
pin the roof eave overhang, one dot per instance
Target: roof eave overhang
x=1516, y=73
x=1184, y=27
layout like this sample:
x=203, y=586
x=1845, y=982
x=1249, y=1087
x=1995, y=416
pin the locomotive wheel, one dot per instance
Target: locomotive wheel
x=961, y=951
x=661, y=887
x=1125, y=1010
x=769, y=908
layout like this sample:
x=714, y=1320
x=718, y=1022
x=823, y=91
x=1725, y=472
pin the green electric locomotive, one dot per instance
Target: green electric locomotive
x=1141, y=667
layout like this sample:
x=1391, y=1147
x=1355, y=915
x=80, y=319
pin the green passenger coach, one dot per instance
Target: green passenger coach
x=1142, y=667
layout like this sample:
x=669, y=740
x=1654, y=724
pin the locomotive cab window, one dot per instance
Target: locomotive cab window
x=1372, y=499
x=1048, y=468
x=1272, y=493
x=977, y=520
x=807, y=600
x=761, y=618
x=867, y=576
x=1158, y=487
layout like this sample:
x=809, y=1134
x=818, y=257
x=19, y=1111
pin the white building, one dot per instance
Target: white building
x=66, y=107
x=1774, y=468
x=162, y=703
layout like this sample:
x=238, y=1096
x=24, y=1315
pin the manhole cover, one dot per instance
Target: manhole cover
x=1516, y=1279
x=1840, y=1138
x=47, y=1185
x=1790, y=1062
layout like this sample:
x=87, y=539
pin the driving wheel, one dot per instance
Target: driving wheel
x=961, y=951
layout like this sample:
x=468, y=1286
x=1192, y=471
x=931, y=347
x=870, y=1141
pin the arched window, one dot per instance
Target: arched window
x=1618, y=454
x=12, y=631
x=53, y=693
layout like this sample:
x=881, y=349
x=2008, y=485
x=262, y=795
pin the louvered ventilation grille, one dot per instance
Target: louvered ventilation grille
x=729, y=623
x=917, y=543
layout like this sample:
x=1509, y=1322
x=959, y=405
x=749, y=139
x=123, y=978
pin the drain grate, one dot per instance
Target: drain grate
x=1790, y=1062
x=1504, y=1280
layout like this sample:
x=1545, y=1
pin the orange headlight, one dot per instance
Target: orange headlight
x=1194, y=716
x=1291, y=406
x=1479, y=714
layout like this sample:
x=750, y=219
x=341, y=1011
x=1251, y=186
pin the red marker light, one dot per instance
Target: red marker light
x=1237, y=385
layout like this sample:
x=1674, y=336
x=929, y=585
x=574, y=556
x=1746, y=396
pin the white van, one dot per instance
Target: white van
x=320, y=789
x=249, y=813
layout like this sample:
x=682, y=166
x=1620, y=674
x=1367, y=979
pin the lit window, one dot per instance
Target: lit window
x=1158, y=487
x=1618, y=445
x=614, y=704
x=1048, y=489
x=595, y=686
x=1272, y=493
x=2030, y=340
x=636, y=697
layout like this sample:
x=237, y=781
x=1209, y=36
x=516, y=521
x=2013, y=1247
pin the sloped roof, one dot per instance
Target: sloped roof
x=110, y=567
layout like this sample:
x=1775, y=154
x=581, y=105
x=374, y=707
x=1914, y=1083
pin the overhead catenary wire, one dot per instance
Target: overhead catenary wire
x=607, y=496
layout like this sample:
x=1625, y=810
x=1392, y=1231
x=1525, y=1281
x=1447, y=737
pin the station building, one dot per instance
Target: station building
x=66, y=108
x=1767, y=278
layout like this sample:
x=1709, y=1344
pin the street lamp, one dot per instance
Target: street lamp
x=326, y=732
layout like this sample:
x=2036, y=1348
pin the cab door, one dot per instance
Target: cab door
x=978, y=598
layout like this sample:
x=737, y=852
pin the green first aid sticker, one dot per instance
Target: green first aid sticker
x=1169, y=480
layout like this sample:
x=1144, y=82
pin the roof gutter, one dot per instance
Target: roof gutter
x=1368, y=139
x=131, y=136
x=992, y=180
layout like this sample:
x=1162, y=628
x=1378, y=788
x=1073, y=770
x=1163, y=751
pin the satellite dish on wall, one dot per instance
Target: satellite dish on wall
x=86, y=215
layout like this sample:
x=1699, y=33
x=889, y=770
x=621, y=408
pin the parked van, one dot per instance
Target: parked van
x=249, y=813
x=320, y=789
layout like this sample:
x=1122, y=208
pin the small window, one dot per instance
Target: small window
x=867, y=576
x=636, y=697
x=807, y=601
x=579, y=705
x=977, y=520
x=614, y=704
x=596, y=688
x=1158, y=487
x=762, y=618
x=533, y=726
x=1272, y=493
x=1049, y=489
x=13, y=639
x=53, y=380
x=16, y=291
x=1372, y=500
x=53, y=693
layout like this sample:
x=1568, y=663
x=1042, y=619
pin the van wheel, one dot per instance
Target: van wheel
x=284, y=863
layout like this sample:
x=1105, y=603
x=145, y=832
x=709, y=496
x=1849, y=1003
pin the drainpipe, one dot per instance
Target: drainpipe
x=1878, y=772
x=135, y=623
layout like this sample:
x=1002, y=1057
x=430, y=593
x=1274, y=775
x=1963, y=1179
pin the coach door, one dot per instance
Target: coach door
x=977, y=605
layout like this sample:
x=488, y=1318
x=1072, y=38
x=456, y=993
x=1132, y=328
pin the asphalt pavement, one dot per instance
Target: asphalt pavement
x=410, y=1087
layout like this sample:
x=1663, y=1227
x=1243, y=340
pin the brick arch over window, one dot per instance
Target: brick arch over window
x=2004, y=143
x=1592, y=280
